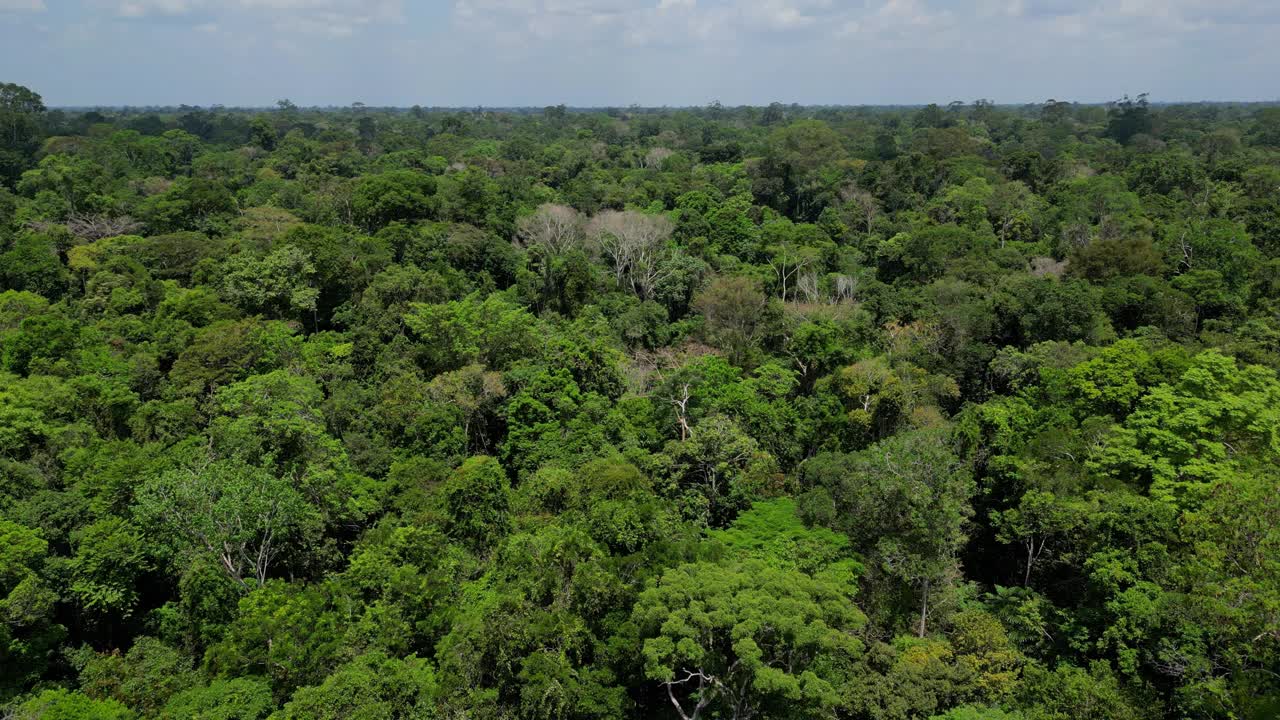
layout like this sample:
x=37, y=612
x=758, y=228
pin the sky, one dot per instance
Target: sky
x=508, y=53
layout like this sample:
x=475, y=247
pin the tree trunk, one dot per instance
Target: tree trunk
x=924, y=608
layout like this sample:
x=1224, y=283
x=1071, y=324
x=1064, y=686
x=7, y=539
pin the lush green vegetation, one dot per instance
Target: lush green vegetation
x=967, y=413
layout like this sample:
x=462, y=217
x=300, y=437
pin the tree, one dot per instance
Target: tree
x=554, y=237
x=223, y=699
x=476, y=394
x=723, y=468
x=1218, y=421
x=143, y=679
x=66, y=705
x=905, y=501
x=20, y=130
x=789, y=261
x=972, y=712
x=279, y=285
x=636, y=245
x=735, y=313
x=879, y=397
x=242, y=517
x=490, y=331
x=286, y=633
x=477, y=499
x=396, y=196
x=1128, y=117
x=111, y=557
x=1039, y=521
x=1226, y=599
x=748, y=639
x=552, y=229
x=32, y=264
x=795, y=175
x=371, y=686
x=30, y=635
x=263, y=133
x=1067, y=691
x=531, y=636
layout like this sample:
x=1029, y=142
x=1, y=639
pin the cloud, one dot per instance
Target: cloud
x=337, y=18
x=670, y=23
x=785, y=15
x=22, y=6
x=1152, y=15
x=145, y=8
x=648, y=51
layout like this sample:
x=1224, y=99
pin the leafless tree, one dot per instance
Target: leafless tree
x=809, y=287
x=654, y=158
x=556, y=229
x=704, y=693
x=636, y=245
x=846, y=287
x=1048, y=267
x=788, y=262
x=96, y=227
x=93, y=227
x=862, y=201
x=681, y=405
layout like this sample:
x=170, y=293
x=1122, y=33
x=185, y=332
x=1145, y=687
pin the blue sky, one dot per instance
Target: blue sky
x=649, y=52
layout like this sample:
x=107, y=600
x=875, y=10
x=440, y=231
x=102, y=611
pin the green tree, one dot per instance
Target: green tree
x=905, y=501
x=143, y=679
x=1128, y=117
x=66, y=705
x=111, y=557
x=242, y=698
x=371, y=686
x=736, y=315
x=21, y=112
x=1217, y=421
x=280, y=285
x=721, y=470
x=746, y=639
x=30, y=635
x=477, y=499
x=242, y=517
x=396, y=196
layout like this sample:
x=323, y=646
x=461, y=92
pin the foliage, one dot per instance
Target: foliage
x=965, y=412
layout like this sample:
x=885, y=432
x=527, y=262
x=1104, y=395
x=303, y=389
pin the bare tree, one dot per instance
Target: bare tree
x=864, y=202
x=654, y=158
x=1048, y=267
x=96, y=227
x=92, y=227
x=788, y=261
x=556, y=229
x=703, y=693
x=636, y=245
x=846, y=287
x=681, y=405
x=808, y=286
x=549, y=233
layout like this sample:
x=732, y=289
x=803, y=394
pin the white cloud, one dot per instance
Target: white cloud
x=22, y=6
x=144, y=8
x=783, y=15
x=516, y=23
x=651, y=51
x=337, y=18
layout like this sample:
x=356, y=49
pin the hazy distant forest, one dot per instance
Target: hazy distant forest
x=964, y=412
